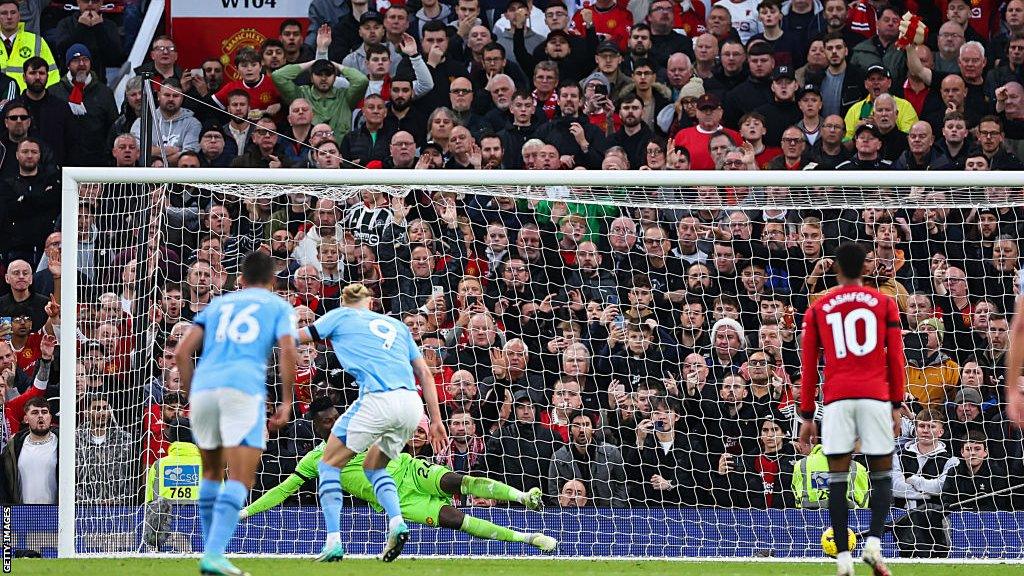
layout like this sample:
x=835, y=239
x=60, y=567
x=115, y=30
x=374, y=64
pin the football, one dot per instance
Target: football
x=828, y=541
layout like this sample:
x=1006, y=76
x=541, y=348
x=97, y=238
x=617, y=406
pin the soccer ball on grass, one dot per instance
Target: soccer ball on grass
x=828, y=541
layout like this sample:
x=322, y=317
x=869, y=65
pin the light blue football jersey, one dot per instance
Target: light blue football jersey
x=375, y=349
x=240, y=329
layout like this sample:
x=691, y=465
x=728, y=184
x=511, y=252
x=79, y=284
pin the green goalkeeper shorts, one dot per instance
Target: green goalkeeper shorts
x=419, y=491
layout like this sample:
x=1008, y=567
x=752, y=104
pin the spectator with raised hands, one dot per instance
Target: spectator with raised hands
x=667, y=466
x=331, y=104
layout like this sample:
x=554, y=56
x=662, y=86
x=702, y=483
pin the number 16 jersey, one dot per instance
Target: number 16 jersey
x=239, y=331
x=375, y=349
x=858, y=329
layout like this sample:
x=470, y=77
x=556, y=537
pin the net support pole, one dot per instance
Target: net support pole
x=145, y=130
x=66, y=529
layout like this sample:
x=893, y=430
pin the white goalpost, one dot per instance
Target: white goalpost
x=601, y=312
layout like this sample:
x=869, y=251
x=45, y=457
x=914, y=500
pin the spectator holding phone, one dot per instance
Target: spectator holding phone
x=667, y=465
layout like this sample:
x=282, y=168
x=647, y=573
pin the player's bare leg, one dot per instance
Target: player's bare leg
x=838, y=486
x=336, y=455
x=481, y=487
x=881, y=500
x=456, y=519
x=242, y=462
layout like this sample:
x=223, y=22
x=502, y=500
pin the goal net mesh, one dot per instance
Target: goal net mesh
x=632, y=351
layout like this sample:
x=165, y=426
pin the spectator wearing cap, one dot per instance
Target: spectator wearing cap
x=92, y=106
x=756, y=89
x=371, y=32
x=518, y=449
x=978, y=482
x=87, y=26
x=557, y=48
x=331, y=105
x=931, y=382
x=586, y=458
x=212, y=153
x=867, y=141
x=696, y=138
x=880, y=49
x=808, y=99
x=878, y=81
x=966, y=415
x=782, y=111
x=921, y=152
x=608, y=59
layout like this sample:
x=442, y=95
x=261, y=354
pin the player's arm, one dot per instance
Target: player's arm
x=305, y=470
x=1014, y=358
x=438, y=434
x=309, y=334
x=184, y=353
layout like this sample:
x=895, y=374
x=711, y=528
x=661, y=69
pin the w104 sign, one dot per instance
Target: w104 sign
x=219, y=28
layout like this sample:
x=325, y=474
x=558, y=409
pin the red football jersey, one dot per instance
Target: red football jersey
x=263, y=94
x=858, y=328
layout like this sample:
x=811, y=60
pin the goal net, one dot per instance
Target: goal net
x=627, y=342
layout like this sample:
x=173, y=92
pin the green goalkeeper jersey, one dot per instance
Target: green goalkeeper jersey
x=418, y=483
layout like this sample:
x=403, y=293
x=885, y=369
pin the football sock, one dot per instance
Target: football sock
x=838, y=512
x=208, y=490
x=491, y=489
x=225, y=516
x=490, y=531
x=329, y=489
x=387, y=493
x=880, y=501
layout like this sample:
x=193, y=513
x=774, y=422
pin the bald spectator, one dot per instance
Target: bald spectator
x=921, y=153
x=19, y=278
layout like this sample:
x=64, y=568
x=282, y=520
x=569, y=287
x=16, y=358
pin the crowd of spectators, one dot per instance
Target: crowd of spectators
x=611, y=355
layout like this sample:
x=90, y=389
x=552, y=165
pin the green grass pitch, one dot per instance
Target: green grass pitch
x=464, y=567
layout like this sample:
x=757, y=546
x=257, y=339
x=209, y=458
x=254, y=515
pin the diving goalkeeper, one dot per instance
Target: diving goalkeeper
x=424, y=492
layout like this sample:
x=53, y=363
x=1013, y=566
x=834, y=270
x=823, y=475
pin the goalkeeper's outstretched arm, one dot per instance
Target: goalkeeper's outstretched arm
x=305, y=470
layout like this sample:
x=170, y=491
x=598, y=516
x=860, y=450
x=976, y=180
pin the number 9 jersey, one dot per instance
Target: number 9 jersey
x=239, y=331
x=858, y=329
x=375, y=349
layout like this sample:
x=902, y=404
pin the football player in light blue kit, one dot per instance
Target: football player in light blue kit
x=379, y=352
x=237, y=332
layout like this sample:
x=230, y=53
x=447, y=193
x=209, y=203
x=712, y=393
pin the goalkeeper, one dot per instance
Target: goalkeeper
x=424, y=493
